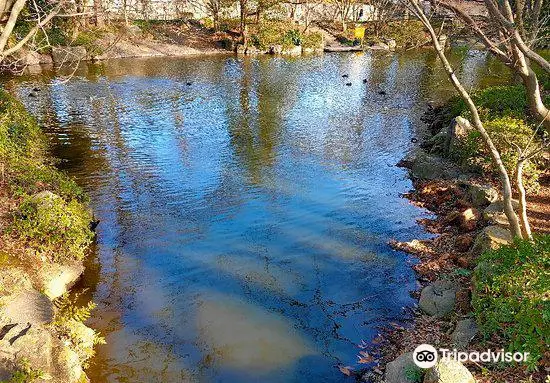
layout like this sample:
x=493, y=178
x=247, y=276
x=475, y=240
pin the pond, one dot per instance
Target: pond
x=245, y=206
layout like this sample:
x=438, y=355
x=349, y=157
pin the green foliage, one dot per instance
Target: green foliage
x=312, y=40
x=414, y=374
x=53, y=227
x=511, y=296
x=56, y=226
x=69, y=320
x=272, y=32
x=503, y=131
x=275, y=32
x=90, y=40
x=23, y=154
x=292, y=38
x=351, y=42
x=67, y=309
x=495, y=102
x=20, y=137
x=407, y=34
x=26, y=374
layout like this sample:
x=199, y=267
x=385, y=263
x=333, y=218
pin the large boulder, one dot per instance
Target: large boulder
x=494, y=213
x=464, y=332
x=448, y=370
x=55, y=279
x=438, y=299
x=451, y=138
x=428, y=167
x=25, y=342
x=482, y=195
x=491, y=238
x=62, y=55
x=401, y=370
x=29, y=307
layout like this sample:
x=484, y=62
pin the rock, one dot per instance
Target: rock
x=133, y=30
x=464, y=332
x=481, y=195
x=56, y=279
x=28, y=306
x=241, y=49
x=425, y=166
x=311, y=51
x=27, y=57
x=380, y=46
x=296, y=50
x=13, y=280
x=464, y=242
x=391, y=44
x=276, y=49
x=438, y=299
x=491, y=238
x=448, y=370
x=494, y=213
x=32, y=343
x=69, y=365
x=457, y=133
x=469, y=219
x=399, y=370
x=63, y=55
x=252, y=50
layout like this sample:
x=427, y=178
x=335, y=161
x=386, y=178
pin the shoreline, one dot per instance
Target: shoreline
x=458, y=201
x=46, y=234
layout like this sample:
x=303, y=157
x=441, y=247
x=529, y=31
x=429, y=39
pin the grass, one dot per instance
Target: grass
x=52, y=218
x=511, y=296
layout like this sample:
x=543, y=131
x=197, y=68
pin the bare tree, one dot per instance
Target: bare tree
x=14, y=9
x=215, y=8
x=384, y=11
x=525, y=154
x=343, y=8
x=477, y=123
x=511, y=35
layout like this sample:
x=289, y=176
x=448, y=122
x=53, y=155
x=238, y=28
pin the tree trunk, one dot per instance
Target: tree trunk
x=98, y=14
x=505, y=179
x=10, y=24
x=525, y=227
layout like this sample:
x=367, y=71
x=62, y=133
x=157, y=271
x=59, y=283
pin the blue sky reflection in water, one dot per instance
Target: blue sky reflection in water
x=244, y=218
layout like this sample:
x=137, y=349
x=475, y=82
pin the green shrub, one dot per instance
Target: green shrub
x=292, y=38
x=20, y=137
x=90, y=40
x=23, y=149
x=25, y=373
x=312, y=40
x=503, y=131
x=69, y=319
x=270, y=32
x=52, y=227
x=407, y=34
x=495, y=102
x=511, y=296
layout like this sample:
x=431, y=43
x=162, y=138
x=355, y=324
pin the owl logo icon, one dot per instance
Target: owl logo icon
x=425, y=356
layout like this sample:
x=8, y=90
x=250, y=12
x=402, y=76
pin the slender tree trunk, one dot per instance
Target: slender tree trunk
x=525, y=227
x=98, y=13
x=10, y=24
x=505, y=179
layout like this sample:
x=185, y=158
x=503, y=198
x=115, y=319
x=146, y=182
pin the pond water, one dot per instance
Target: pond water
x=245, y=206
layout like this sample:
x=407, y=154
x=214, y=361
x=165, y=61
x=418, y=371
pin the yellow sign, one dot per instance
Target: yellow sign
x=359, y=32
